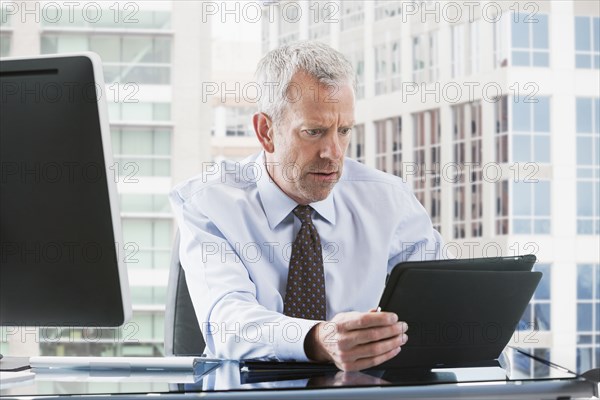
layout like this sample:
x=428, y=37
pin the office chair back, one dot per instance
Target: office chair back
x=183, y=336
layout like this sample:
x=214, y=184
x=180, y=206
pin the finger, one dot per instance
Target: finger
x=368, y=362
x=348, y=340
x=365, y=363
x=368, y=320
x=374, y=349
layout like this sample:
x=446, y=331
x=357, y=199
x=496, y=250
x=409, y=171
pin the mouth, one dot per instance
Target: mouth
x=325, y=176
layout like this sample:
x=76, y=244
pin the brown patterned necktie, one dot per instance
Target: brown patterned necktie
x=305, y=293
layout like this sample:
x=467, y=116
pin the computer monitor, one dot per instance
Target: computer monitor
x=60, y=230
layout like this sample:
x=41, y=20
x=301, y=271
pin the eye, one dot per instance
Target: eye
x=314, y=132
x=345, y=131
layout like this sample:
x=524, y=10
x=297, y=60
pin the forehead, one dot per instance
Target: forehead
x=320, y=102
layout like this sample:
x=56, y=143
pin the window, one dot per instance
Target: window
x=395, y=62
x=530, y=47
x=537, y=317
x=396, y=150
x=459, y=230
x=5, y=18
x=537, y=314
x=531, y=130
x=148, y=295
x=467, y=158
x=145, y=203
x=457, y=33
x=143, y=59
x=476, y=178
x=265, y=31
x=101, y=341
x=150, y=326
x=357, y=143
x=587, y=42
x=473, y=52
x=387, y=67
x=387, y=9
x=289, y=23
x=465, y=49
x=321, y=14
x=109, y=17
x=426, y=139
x=388, y=151
x=5, y=39
x=459, y=191
x=528, y=367
x=139, y=112
x=531, y=207
x=501, y=118
x=355, y=55
x=588, y=165
x=353, y=14
x=501, y=29
x=425, y=57
x=141, y=151
x=381, y=67
x=381, y=145
x=147, y=242
x=502, y=207
x=419, y=143
x=238, y=121
x=588, y=316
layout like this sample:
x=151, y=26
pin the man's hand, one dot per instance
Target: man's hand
x=355, y=340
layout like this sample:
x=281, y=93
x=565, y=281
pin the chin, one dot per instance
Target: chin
x=318, y=196
x=314, y=192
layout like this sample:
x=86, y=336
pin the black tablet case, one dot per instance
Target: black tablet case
x=458, y=313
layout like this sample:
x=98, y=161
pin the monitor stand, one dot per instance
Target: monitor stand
x=14, y=364
x=418, y=376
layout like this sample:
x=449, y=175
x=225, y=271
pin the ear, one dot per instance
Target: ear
x=263, y=127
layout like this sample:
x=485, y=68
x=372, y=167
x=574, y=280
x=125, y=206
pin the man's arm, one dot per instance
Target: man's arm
x=233, y=323
x=355, y=340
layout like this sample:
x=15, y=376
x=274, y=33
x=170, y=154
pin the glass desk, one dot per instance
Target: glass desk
x=232, y=380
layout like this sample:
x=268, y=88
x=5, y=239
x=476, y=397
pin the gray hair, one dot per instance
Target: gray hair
x=276, y=69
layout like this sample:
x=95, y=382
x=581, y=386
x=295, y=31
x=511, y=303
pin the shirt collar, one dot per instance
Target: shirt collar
x=277, y=205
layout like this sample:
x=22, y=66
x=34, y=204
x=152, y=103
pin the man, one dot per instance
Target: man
x=286, y=253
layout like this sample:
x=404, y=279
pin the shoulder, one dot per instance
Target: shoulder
x=218, y=179
x=359, y=176
x=376, y=196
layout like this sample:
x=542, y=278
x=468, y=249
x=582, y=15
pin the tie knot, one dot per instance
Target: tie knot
x=303, y=214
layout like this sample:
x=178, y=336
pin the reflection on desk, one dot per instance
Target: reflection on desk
x=471, y=382
x=17, y=378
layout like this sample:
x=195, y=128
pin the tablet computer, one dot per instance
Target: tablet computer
x=459, y=312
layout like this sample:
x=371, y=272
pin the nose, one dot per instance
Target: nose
x=332, y=148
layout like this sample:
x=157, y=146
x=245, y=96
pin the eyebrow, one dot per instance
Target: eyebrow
x=318, y=125
x=350, y=126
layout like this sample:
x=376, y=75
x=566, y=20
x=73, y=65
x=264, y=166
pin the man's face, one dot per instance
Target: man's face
x=310, y=142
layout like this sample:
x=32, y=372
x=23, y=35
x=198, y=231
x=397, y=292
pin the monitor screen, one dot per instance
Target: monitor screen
x=59, y=218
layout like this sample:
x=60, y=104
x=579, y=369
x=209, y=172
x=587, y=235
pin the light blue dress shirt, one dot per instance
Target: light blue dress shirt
x=237, y=230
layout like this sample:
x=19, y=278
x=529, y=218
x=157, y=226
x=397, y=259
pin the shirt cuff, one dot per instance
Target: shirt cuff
x=291, y=336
